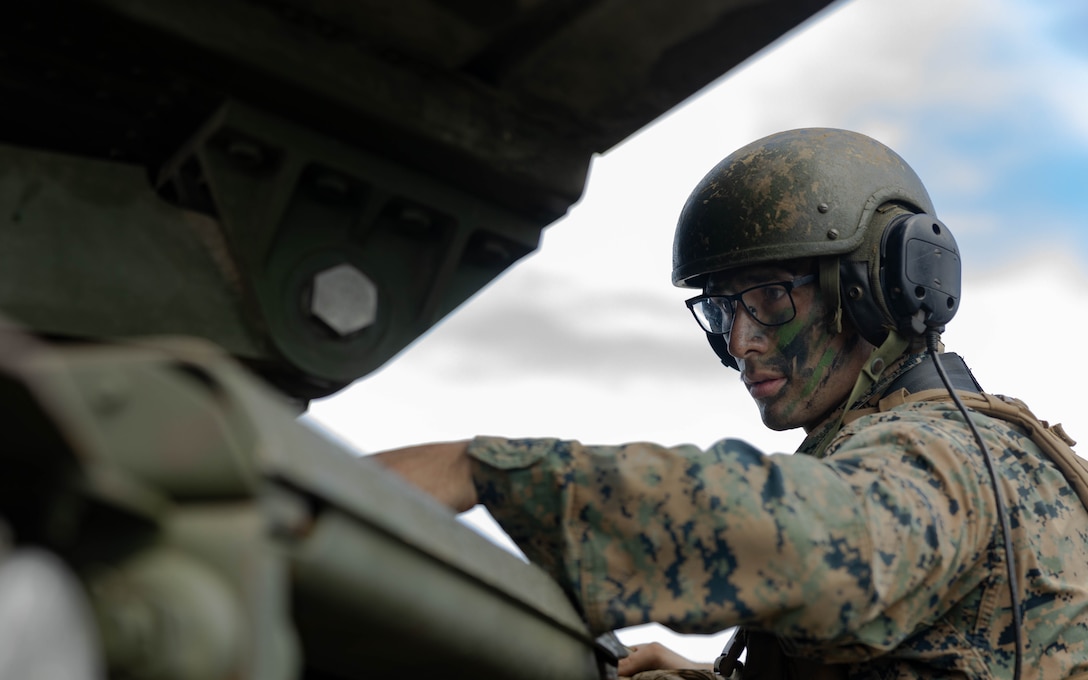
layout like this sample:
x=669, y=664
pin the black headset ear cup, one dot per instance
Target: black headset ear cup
x=920, y=273
x=721, y=347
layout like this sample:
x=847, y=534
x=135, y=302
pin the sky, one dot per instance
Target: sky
x=587, y=339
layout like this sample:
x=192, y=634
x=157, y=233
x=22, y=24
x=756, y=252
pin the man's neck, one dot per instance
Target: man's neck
x=819, y=435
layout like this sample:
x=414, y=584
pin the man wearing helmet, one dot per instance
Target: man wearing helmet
x=885, y=552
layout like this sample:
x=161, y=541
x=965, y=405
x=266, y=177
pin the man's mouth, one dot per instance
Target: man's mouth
x=763, y=388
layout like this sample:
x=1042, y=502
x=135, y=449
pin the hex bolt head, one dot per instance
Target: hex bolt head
x=344, y=299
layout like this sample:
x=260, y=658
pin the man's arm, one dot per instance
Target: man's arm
x=703, y=540
x=443, y=470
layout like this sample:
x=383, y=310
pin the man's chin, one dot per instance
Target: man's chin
x=776, y=422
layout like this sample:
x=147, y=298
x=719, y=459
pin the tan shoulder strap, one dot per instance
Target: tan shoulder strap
x=1053, y=440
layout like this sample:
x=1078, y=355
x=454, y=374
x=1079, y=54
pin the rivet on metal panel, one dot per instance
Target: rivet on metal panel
x=331, y=184
x=416, y=219
x=246, y=153
x=489, y=250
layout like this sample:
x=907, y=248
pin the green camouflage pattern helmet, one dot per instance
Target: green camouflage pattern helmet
x=813, y=193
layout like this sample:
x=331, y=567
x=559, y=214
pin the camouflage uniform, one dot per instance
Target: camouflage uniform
x=885, y=555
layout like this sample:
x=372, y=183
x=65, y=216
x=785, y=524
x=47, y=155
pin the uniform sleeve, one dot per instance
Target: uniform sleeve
x=703, y=540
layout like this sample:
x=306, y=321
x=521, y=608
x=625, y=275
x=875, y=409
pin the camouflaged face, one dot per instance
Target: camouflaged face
x=886, y=555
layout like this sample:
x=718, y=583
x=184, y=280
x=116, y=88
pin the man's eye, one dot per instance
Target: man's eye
x=772, y=293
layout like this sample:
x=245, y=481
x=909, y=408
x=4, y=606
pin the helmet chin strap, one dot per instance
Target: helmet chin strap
x=829, y=286
x=891, y=349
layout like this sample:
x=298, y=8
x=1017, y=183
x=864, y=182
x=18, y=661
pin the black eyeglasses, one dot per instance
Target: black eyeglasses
x=771, y=304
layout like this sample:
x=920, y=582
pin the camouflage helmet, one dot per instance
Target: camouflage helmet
x=813, y=193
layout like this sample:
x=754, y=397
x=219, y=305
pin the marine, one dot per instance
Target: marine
x=924, y=529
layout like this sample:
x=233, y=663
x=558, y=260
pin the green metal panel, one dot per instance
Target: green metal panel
x=296, y=554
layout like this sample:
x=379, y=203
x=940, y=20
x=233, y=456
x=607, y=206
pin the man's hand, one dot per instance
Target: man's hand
x=654, y=656
x=442, y=470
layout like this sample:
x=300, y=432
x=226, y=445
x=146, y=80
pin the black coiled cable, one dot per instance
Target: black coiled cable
x=932, y=339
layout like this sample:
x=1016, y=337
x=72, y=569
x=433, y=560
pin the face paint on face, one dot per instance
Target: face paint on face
x=805, y=354
x=800, y=372
x=821, y=377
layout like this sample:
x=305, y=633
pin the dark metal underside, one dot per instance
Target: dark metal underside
x=452, y=132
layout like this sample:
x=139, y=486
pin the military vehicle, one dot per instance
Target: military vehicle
x=215, y=211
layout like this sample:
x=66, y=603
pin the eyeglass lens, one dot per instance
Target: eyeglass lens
x=770, y=304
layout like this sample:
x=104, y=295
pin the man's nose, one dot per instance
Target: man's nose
x=746, y=335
